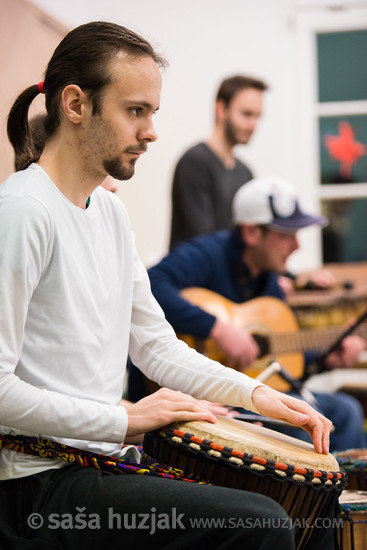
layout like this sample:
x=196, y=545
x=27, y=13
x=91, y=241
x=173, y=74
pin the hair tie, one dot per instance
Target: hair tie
x=41, y=87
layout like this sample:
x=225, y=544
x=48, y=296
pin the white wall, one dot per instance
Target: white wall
x=205, y=41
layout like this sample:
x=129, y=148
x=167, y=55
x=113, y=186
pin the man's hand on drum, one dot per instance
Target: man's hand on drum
x=218, y=408
x=347, y=354
x=163, y=407
x=280, y=406
x=238, y=345
x=321, y=279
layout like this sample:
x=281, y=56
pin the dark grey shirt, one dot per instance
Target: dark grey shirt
x=202, y=193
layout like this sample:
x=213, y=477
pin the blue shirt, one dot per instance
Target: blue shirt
x=213, y=262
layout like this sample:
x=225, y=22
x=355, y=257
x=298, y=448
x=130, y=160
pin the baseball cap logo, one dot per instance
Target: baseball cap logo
x=283, y=205
x=273, y=202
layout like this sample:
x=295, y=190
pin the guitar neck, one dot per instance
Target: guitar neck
x=272, y=324
x=309, y=339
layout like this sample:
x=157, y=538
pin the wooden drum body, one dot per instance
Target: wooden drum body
x=353, y=528
x=354, y=462
x=239, y=455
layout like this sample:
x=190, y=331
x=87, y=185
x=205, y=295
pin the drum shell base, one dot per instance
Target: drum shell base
x=303, y=503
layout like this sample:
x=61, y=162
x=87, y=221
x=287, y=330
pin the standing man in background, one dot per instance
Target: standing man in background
x=208, y=175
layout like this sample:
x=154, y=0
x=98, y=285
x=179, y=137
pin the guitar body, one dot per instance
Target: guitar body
x=262, y=317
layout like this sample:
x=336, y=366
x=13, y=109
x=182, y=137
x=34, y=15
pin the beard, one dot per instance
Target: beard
x=232, y=135
x=115, y=168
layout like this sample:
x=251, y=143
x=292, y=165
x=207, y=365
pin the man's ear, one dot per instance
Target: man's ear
x=251, y=234
x=74, y=103
x=220, y=109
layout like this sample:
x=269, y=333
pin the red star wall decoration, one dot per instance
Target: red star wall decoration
x=345, y=149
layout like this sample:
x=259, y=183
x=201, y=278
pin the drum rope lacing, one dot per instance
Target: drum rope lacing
x=240, y=459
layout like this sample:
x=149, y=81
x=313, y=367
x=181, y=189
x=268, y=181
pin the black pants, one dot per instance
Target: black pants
x=81, y=508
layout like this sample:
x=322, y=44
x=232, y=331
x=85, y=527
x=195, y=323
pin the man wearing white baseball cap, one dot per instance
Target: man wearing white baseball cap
x=242, y=264
x=272, y=202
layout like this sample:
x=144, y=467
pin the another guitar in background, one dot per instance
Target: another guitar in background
x=272, y=324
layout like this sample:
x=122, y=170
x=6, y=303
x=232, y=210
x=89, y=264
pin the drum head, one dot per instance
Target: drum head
x=354, y=500
x=352, y=456
x=261, y=442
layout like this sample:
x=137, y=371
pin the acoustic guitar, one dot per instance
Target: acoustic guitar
x=272, y=324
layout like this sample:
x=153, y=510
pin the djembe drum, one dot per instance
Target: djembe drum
x=233, y=453
x=337, y=306
x=353, y=524
x=354, y=462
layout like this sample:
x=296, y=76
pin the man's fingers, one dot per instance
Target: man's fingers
x=188, y=416
x=162, y=408
x=295, y=417
x=294, y=411
x=189, y=406
x=215, y=408
x=325, y=442
x=290, y=415
x=318, y=427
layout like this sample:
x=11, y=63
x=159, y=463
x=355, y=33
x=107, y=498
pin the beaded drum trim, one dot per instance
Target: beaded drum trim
x=239, y=459
x=349, y=460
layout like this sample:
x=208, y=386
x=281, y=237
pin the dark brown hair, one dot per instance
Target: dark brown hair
x=230, y=86
x=37, y=137
x=81, y=58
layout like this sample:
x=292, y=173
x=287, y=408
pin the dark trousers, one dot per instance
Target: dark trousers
x=81, y=508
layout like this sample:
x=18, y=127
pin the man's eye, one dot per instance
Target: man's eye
x=136, y=111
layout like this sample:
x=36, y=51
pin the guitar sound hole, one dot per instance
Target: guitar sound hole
x=263, y=343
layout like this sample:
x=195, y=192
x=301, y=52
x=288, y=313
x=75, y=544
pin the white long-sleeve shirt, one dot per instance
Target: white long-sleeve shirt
x=74, y=300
